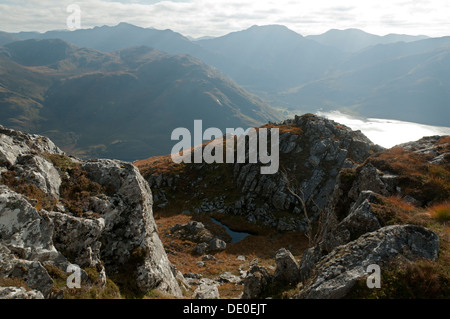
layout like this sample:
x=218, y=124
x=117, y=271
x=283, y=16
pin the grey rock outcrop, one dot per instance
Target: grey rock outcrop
x=14, y=144
x=206, y=290
x=130, y=230
x=198, y=233
x=85, y=251
x=313, y=150
x=336, y=273
x=353, y=234
x=32, y=273
x=368, y=179
x=360, y=220
x=25, y=231
x=116, y=232
x=39, y=172
x=287, y=270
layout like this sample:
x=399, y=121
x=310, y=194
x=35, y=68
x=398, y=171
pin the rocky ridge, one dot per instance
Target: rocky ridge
x=313, y=150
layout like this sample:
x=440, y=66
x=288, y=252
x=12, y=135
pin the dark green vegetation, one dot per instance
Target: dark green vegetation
x=121, y=105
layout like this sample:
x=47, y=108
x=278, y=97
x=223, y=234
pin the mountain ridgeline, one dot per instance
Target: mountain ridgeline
x=119, y=91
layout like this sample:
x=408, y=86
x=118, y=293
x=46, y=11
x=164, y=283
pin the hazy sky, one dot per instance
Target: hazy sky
x=217, y=17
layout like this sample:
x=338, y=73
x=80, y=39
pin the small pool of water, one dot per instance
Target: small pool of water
x=235, y=236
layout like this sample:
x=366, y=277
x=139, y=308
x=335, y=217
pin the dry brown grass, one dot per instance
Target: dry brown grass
x=159, y=165
x=400, y=161
x=440, y=211
x=263, y=246
x=14, y=282
x=429, y=183
x=293, y=129
x=396, y=210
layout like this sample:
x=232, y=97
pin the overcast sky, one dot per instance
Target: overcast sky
x=217, y=17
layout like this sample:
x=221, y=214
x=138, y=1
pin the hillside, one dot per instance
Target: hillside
x=123, y=104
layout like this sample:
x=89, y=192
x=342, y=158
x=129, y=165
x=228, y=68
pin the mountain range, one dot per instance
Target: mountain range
x=123, y=104
x=118, y=91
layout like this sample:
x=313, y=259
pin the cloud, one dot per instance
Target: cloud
x=218, y=17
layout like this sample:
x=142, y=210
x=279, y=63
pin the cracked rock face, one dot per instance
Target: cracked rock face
x=24, y=231
x=14, y=144
x=130, y=228
x=116, y=233
x=86, y=249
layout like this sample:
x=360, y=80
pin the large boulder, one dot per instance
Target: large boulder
x=287, y=270
x=207, y=289
x=130, y=237
x=14, y=144
x=256, y=282
x=335, y=274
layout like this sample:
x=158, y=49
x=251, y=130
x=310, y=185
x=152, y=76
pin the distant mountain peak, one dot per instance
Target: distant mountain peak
x=272, y=28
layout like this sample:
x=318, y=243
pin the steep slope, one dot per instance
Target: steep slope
x=123, y=104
